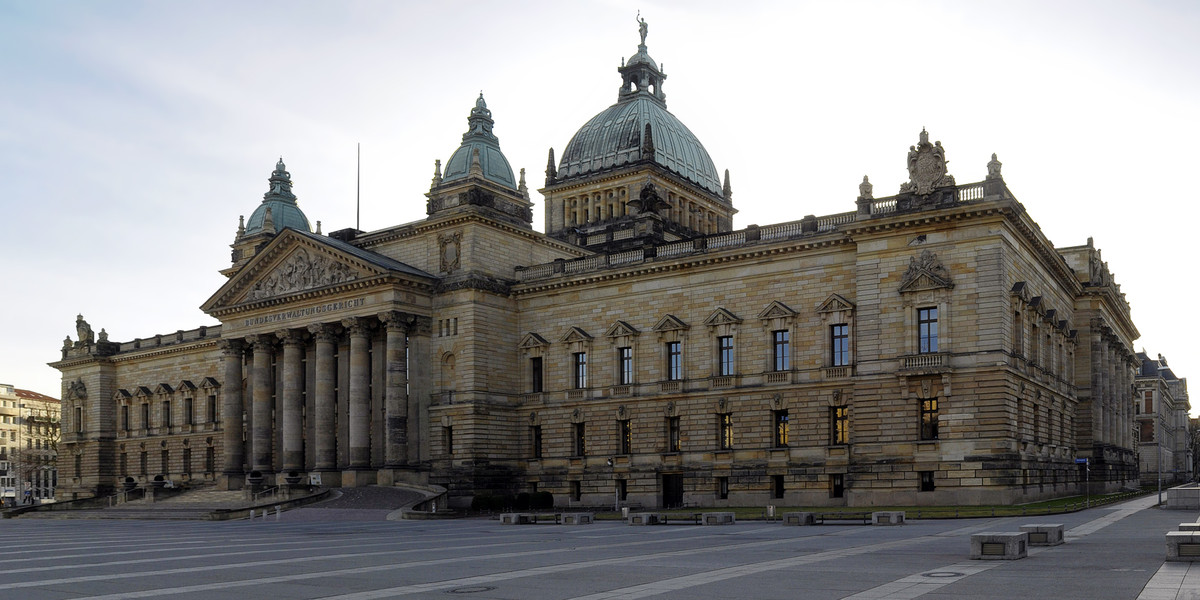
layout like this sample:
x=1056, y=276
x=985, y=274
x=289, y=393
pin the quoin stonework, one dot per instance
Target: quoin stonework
x=926, y=346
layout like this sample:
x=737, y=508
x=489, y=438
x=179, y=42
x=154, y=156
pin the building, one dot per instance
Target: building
x=1164, y=436
x=926, y=347
x=29, y=435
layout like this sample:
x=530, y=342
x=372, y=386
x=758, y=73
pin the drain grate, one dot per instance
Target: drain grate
x=471, y=589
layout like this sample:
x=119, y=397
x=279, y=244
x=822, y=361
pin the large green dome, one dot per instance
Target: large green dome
x=282, y=203
x=614, y=137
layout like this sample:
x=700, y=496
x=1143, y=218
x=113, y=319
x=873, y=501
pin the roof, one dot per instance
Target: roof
x=31, y=395
x=378, y=260
x=281, y=202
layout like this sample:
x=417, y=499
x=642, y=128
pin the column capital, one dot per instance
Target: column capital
x=394, y=319
x=356, y=326
x=291, y=337
x=324, y=332
x=230, y=347
x=261, y=342
x=420, y=325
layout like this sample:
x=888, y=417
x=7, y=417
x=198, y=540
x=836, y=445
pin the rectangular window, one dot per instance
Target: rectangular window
x=674, y=361
x=839, y=431
x=124, y=464
x=781, y=359
x=212, y=408
x=926, y=481
x=839, y=344
x=448, y=439
x=535, y=375
x=580, y=440
x=725, y=355
x=145, y=416
x=837, y=486
x=624, y=437
x=579, y=379
x=927, y=330
x=143, y=462
x=576, y=491
x=625, y=366
x=78, y=465
x=673, y=434
x=187, y=460
x=165, y=465
x=1149, y=401
x=777, y=486
x=78, y=419
x=725, y=431
x=187, y=411
x=780, y=417
x=535, y=440
x=622, y=490
x=723, y=488
x=929, y=419
x=210, y=459
x=166, y=414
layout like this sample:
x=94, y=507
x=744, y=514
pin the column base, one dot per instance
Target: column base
x=231, y=481
x=358, y=478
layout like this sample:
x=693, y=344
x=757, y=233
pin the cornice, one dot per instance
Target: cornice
x=357, y=284
x=422, y=227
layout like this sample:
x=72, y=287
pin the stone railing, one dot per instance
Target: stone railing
x=781, y=231
x=924, y=361
x=836, y=372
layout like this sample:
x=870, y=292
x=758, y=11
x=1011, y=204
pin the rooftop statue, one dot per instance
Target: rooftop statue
x=642, y=27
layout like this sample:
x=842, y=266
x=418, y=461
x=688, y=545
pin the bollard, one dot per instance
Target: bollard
x=252, y=514
x=278, y=512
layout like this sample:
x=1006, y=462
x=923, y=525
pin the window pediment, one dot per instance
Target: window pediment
x=620, y=329
x=575, y=334
x=835, y=303
x=721, y=316
x=777, y=310
x=670, y=323
x=185, y=386
x=532, y=340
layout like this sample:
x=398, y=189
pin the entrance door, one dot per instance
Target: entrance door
x=672, y=486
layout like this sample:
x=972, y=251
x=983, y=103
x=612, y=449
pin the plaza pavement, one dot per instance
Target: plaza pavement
x=1114, y=552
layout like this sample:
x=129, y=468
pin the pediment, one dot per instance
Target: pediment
x=209, y=383
x=295, y=262
x=185, y=386
x=122, y=395
x=670, y=323
x=164, y=388
x=776, y=310
x=835, y=303
x=925, y=272
x=142, y=391
x=575, y=334
x=621, y=328
x=532, y=340
x=721, y=317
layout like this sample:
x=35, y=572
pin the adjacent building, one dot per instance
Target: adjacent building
x=926, y=346
x=29, y=435
x=1165, y=453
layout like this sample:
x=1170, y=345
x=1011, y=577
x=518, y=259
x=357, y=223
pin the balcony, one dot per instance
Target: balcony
x=843, y=372
x=930, y=363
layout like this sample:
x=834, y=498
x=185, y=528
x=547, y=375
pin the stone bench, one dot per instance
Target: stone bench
x=1044, y=534
x=646, y=519
x=576, y=518
x=718, y=518
x=887, y=517
x=1183, y=546
x=997, y=545
x=799, y=518
x=1189, y=527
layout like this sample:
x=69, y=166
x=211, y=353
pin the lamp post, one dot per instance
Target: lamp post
x=616, y=487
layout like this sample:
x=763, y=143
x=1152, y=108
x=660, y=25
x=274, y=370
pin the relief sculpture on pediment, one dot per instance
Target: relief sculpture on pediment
x=301, y=271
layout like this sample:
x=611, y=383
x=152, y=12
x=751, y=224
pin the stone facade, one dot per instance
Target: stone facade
x=929, y=347
x=29, y=434
x=1163, y=431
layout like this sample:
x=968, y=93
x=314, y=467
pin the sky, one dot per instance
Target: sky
x=133, y=134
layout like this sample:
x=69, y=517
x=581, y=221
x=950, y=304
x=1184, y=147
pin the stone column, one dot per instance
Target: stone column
x=291, y=399
x=231, y=409
x=325, y=455
x=260, y=418
x=420, y=385
x=360, y=400
x=396, y=391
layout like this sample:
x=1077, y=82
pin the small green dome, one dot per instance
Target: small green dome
x=280, y=200
x=479, y=137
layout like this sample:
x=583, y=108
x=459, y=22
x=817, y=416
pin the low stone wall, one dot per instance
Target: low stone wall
x=1184, y=497
x=998, y=545
x=1044, y=534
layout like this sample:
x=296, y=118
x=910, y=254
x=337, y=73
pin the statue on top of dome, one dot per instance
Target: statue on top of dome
x=642, y=27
